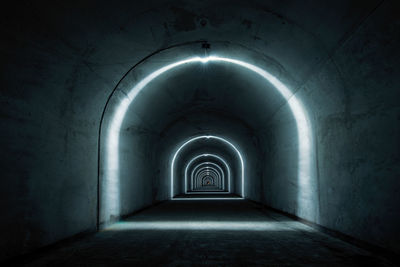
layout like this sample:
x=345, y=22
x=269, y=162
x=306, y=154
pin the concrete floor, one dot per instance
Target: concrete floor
x=209, y=195
x=204, y=232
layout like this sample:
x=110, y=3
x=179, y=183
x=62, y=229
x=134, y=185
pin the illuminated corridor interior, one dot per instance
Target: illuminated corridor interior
x=187, y=133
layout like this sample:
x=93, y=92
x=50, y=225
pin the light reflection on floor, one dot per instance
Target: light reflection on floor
x=209, y=233
x=207, y=198
x=210, y=225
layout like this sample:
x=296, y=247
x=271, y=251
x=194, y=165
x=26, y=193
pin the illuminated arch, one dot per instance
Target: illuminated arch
x=210, y=165
x=207, y=178
x=206, y=169
x=111, y=172
x=214, y=156
x=207, y=137
x=198, y=169
x=209, y=172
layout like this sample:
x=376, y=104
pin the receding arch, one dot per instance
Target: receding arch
x=208, y=168
x=207, y=181
x=209, y=172
x=213, y=156
x=210, y=165
x=109, y=176
x=207, y=137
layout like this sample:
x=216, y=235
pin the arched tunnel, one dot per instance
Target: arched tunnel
x=181, y=133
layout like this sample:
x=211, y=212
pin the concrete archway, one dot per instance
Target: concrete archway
x=209, y=137
x=215, y=167
x=223, y=161
x=125, y=94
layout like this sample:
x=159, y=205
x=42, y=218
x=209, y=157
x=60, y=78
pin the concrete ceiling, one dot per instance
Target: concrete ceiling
x=61, y=61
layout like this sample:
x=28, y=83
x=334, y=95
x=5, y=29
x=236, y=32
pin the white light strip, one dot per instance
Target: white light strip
x=202, y=173
x=205, y=193
x=207, y=163
x=208, y=171
x=111, y=181
x=211, y=225
x=208, y=198
x=207, y=178
x=206, y=137
x=215, y=167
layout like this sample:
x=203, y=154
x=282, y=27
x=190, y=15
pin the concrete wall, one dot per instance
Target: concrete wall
x=60, y=62
x=352, y=102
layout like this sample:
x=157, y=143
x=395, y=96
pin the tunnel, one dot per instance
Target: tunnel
x=190, y=133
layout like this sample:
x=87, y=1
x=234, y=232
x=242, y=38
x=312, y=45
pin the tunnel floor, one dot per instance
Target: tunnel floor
x=208, y=195
x=207, y=232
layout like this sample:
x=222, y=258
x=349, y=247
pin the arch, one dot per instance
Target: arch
x=209, y=164
x=206, y=179
x=209, y=172
x=222, y=192
x=206, y=137
x=111, y=174
x=206, y=172
x=215, y=167
x=208, y=168
x=215, y=156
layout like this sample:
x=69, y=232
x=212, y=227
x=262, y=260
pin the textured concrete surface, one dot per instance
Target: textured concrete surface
x=207, y=233
x=61, y=61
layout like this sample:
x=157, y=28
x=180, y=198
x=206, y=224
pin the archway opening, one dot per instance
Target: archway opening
x=110, y=204
x=235, y=181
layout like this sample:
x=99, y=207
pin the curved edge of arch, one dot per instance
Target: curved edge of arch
x=212, y=163
x=304, y=132
x=175, y=155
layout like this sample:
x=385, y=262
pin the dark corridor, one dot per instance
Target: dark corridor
x=186, y=132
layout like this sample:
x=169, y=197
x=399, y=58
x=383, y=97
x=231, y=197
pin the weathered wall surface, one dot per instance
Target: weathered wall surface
x=60, y=62
x=358, y=140
x=352, y=103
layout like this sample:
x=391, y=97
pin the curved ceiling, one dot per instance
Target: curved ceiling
x=62, y=61
x=214, y=89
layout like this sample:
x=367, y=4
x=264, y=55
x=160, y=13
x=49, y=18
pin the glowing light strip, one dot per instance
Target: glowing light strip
x=205, y=155
x=192, y=175
x=215, y=167
x=211, y=163
x=211, y=225
x=205, y=192
x=208, y=198
x=209, y=172
x=206, y=137
x=207, y=178
x=203, y=169
x=111, y=182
